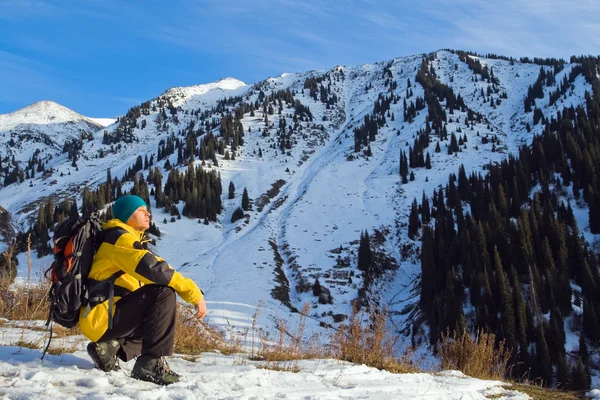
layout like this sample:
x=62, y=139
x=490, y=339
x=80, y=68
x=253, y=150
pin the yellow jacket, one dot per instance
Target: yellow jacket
x=121, y=250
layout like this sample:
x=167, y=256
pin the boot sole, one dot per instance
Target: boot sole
x=151, y=379
x=92, y=351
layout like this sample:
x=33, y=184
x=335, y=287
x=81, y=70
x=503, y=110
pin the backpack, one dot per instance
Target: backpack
x=75, y=243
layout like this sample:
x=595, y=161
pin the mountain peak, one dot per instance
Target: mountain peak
x=42, y=112
x=206, y=92
x=230, y=83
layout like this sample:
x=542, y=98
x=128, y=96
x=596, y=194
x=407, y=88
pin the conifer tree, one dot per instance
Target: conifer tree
x=557, y=337
x=428, y=270
x=237, y=214
x=580, y=379
x=365, y=256
x=316, y=288
x=425, y=210
x=231, y=190
x=591, y=328
x=245, y=200
x=506, y=307
x=413, y=221
x=544, y=363
x=562, y=372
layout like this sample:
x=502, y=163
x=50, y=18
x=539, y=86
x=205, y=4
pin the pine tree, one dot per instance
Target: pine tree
x=425, y=210
x=365, y=256
x=557, y=337
x=237, y=214
x=580, y=379
x=506, y=307
x=562, y=372
x=590, y=321
x=428, y=270
x=544, y=363
x=316, y=288
x=413, y=221
x=231, y=190
x=245, y=200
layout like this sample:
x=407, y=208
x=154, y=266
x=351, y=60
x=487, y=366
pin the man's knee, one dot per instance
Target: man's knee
x=165, y=292
x=160, y=294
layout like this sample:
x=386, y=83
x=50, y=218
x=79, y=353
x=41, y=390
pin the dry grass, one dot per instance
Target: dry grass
x=543, y=393
x=289, y=345
x=370, y=344
x=193, y=337
x=477, y=357
x=64, y=347
x=27, y=302
x=27, y=344
x=284, y=352
x=280, y=366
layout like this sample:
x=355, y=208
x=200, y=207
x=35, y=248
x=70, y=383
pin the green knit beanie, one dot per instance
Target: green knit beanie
x=126, y=205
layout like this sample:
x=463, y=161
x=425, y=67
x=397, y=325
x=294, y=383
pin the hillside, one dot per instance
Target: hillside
x=319, y=153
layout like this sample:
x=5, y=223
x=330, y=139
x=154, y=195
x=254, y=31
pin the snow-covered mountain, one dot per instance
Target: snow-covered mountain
x=43, y=126
x=312, y=193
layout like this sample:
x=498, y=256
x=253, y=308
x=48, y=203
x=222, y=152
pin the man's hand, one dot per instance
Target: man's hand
x=201, y=309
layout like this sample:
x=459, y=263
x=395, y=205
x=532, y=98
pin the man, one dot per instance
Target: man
x=132, y=298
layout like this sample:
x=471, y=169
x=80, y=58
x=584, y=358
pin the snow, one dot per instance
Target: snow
x=213, y=375
x=203, y=95
x=594, y=394
x=42, y=112
x=104, y=121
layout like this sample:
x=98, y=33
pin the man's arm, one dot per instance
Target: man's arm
x=131, y=257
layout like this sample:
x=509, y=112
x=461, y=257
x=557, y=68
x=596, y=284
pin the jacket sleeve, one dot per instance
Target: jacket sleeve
x=129, y=255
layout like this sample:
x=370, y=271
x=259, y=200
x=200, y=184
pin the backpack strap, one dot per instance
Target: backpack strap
x=99, y=294
x=51, y=323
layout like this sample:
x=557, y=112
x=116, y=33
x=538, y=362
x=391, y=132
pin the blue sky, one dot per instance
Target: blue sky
x=100, y=57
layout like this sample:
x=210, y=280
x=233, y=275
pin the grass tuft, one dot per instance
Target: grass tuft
x=477, y=357
x=369, y=343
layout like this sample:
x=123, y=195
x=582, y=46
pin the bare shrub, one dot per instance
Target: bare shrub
x=194, y=337
x=25, y=302
x=371, y=344
x=477, y=357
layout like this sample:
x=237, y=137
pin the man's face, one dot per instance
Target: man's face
x=140, y=219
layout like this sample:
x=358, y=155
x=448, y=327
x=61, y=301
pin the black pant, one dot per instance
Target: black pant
x=144, y=322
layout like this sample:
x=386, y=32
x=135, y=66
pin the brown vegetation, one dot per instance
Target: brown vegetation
x=478, y=357
x=371, y=344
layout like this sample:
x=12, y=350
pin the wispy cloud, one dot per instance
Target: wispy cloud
x=127, y=100
x=40, y=44
x=19, y=9
x=547, y=28
x=21, y=78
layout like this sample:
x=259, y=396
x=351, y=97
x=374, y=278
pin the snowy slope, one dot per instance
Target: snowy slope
x=215, y=376
x=104, y=121
x=212, y=375
x=205, y=95
x=326, y=194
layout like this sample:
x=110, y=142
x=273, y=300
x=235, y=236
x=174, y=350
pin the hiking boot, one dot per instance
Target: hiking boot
x=155, y=370
x=104, y=354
